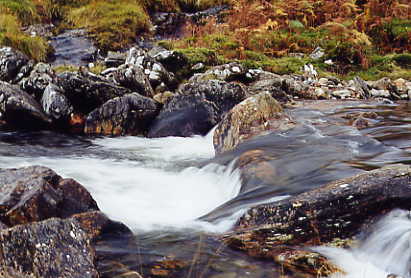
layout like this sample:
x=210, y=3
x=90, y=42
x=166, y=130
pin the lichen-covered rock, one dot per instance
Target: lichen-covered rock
x=86, y=92
x=40, y=77
x=171, y=60
x=14, y=65
x=36, y=193
x=250, y=118
x=155, y=71
x=54, y=248
x=338, y=210
x=227, y=72
x=272, y=85
x=55, y=103
x=185, y=115
x=131, y=114
x=19, y=109
x=132, y=77
x=223, y=94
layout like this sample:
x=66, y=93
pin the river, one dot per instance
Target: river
x=173, y=192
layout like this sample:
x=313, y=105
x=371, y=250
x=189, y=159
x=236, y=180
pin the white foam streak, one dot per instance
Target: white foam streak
x=387, y=250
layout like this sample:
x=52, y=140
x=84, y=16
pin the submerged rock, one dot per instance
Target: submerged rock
x=185, y=115
x=131, y=114
x=52, y=248
x=249, y=118
x=14, y=65
x=19, y=109
x=55, y=103
x=36, y=193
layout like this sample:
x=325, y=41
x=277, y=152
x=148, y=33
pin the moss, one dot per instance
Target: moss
x=403, y=60
x=113, y=23
x=97, y=69
x=200, y=55
x=25, y=10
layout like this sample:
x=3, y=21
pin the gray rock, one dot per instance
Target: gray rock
x=55, y=103
x=317, y=53
x=41, y=76
x=14, y=65
x=115, y=59
x=19, y=109
x=37, y=193
x=342, y=94
x=154, y=70
x=273, y=86
x=171, y=60
x=228, y=72
x=223, y=94
x=86, y=92
x=40, y=30
x=131, y=77
x=362, y=87
x=52, y=248
x=185, y=115
x=380, y=93
x=131, y=114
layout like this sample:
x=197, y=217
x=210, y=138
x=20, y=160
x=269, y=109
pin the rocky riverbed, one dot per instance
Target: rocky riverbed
x=218, y=172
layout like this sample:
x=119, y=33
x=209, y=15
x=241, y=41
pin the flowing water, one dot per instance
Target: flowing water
x=173, y=192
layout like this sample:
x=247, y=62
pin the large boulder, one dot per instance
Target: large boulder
x=36, y=193
x=185, y=115
x=14, y=65
x=223, y=94
x=19, y=109
x=52, y=248
x=273, y=86
x=132, y=77
x=86, y=92
x=250, y=118
x=131, y=114
x=338, y=210
x=55, y=103
x=40, y=77
x=172, y=60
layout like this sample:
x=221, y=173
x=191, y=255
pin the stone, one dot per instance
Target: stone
x=184, y=116
x=362, y=87
x=223, y=94
x=37, y=193
x=164, y=97
x=171, y=60
x=14, y=65
x=273, y=86
x=228, y=72
x=250, y=118
x=115, y=59
x=317, y=53
x=51, y=248
x=40, y=77
x=19, y=109
x=131, y=114
x=343, y=94
x=337, y=210
x=55, y=103
x=132, y=77
x=380, y=93
x=86, y=92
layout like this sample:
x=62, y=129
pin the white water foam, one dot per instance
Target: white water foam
x=147, y=197
x=387, y=250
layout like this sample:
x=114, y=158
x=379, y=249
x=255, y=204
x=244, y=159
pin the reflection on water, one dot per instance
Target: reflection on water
x=169, y=190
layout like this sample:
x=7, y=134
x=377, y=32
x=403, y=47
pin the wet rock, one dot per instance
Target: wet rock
x=155, y=71
x=362, y=87
x=19, y=109
x=227, y=72
x=86, y=92
x=380, y=93
x=52, y=248
x=131, y=77
x=343, y=94
x=185, y=115
x=250, y=118
x=131, y=114
x=55, y=103
x=36, y=193
x=40, y=77
x=338, y=210
x=115, y=59
x=14, y=65
x=296, y=88
x=223, y=94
